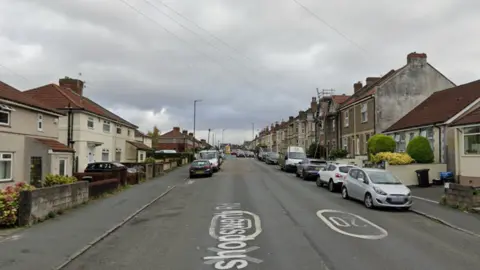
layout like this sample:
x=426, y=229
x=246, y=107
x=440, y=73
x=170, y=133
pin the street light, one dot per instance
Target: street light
x=194, y=121
x=223, y=131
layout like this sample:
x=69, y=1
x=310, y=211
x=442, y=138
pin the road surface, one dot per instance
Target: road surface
x=254, y=216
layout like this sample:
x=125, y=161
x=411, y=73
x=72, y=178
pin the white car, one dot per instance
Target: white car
x=376, y=188
x=333, y=176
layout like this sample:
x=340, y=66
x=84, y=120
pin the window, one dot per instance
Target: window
x=90, y=123
x=411, y=136
x=128, y=132
x=40, y=122
x=346, y=118
x=345, y=146
x=401, y=142
x=471, y=138
x=428, y=133
x=119, y=130
x=4, y=117
x=6, y=166
x=353, y=173
x=118, y=156
x=364, y=112
x=62, y=167
x=141, y=157
x=367, y=137
x=105, y=155
x=106, y=126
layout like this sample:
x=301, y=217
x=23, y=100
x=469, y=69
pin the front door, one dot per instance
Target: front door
x=91, y=155
x=36, y=171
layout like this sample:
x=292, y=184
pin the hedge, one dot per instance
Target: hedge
x=381, y=143
x=419, y=149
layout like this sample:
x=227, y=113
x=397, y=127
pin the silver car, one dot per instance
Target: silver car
x=376, y=188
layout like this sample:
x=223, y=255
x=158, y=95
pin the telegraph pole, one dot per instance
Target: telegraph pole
x=194, y=120
x=208, y=139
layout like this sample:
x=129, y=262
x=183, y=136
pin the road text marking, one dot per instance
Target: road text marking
x=233, y=227
x=351, y=225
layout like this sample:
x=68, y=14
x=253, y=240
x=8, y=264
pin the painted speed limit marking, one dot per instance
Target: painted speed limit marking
x=351, y=225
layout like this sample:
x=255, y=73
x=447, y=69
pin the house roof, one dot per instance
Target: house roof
x=440, y=106
x=55, y=146
x=370, y=89
x=7, y=92
x=139, y=145
x=61, y=97
x=472, y=117
x=339, y=99
x=138, y=133
x=174, y=133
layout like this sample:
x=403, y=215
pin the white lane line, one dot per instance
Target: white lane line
x=424, y=199
x=110, y=231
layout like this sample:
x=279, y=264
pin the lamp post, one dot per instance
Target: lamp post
x=194, y=120
x=253, y=131
x=223, y=132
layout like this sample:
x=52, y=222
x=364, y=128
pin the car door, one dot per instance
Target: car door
x=362, y=186
x=352, y=184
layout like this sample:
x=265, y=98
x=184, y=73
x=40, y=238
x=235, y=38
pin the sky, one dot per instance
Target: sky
x=249, y=61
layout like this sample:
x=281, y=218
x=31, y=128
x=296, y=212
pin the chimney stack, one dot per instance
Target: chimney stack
x=185, y=132
x=176, y=129
x=290, y=118
x=357, y=86
x=74, y=84
x=190, y=134
x=414, y=57
x=371, y=80
x=313, y=104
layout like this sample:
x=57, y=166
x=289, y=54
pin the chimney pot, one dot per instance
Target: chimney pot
x=73, y=84
x=185, y=131
x=190, y=134
x=357, y=86
x=418, y=57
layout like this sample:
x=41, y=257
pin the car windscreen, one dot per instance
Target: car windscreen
x=273, y=155
x=208, y=155
x=318, y=162
x=200, y=163
x=296, y=155
x=383, y=178
x=344, y=169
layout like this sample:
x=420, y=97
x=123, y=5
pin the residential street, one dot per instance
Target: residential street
x=177, y=232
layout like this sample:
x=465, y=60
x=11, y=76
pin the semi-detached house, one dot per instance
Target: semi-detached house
x=29, y=146
x=95, y=133
x=383, y=101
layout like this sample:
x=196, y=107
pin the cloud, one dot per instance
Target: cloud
x=250, y=61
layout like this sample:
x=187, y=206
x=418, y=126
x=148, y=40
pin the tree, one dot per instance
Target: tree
x=381, y=143
x=155, y=135
x=419, y=149
x=316, y=151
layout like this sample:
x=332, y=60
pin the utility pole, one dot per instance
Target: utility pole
x=194, y=120
x=253, y=131
x=223, y=131
x=208, y=139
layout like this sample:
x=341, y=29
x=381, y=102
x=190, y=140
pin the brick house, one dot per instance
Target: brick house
x=384, y=100
x=329, y=121
x=180, y=141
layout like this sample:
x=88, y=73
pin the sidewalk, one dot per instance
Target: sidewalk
x=47, y=245
x=467, y=222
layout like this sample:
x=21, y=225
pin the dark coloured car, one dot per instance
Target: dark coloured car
x=201, y=167
x=104, y=167
x=272, y=158
x=308, y=168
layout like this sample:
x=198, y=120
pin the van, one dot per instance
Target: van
x=290, y=158
x=213, y=156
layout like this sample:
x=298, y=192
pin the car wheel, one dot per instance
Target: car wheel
x=191, y=175
x=345, y=193
x=304, y=176
x=368, y=201
x=318, y=182
x=210, y=175
x=331, y=186
x=296, y=173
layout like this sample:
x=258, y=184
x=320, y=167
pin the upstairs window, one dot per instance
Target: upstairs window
x=90, y=123
x=364, y=112
x=347, y=116
x=4, y=117
x=40, y=122
x=106, y=126
x=119, y=130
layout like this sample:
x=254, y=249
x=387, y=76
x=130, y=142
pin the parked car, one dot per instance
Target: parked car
x=289, y=159
x=201, y=167
x=272, y=158
x=333, y=176
x=308, y=168
x=376, y=188
x=241, y=154
x=250, y=154
x=104, y=167
x=213, y=157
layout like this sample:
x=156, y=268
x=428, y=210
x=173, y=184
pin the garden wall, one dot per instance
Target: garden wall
x=37, y=204
x=465, y=197
x=408, y=176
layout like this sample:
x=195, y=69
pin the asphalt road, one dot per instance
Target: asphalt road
x=254, y=216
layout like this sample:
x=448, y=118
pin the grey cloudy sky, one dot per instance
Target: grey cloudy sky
x=258, y=60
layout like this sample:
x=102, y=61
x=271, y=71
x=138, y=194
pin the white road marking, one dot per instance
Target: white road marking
x=334, y=222
x=424, y=199
x=189, y=182
x=257, y=224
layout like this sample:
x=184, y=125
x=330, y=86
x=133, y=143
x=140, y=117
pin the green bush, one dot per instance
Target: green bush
x=150, y=160
x=316, y=151
x=419, y=149
x=338, y=153
x=381, y=143
x=9, y=203
x=54, y=180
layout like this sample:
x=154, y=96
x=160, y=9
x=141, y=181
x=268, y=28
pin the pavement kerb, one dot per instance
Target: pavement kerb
x=110, y=231
x=444, y=222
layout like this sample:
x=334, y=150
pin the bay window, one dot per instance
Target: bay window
x=346, y=118
x=471, y=139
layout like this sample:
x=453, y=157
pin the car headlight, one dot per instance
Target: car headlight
x=379, y=191
x=409, y=194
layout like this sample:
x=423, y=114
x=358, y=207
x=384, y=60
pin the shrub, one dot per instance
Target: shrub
x=316, y=151
x=54, y=180
x=338, y=153
x=419, y=149
x=9, y=203
x=150, y=160
x=392, y=158
x=381, y=143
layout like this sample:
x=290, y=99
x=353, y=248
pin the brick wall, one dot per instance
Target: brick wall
x=463, y=196
x=39, y=203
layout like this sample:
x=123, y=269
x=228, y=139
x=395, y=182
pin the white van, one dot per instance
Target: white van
x=288, y=161
x=213, y=156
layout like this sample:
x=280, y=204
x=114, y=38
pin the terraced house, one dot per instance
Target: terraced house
x=382, y=101
x=329, y=121
x=95, y=133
